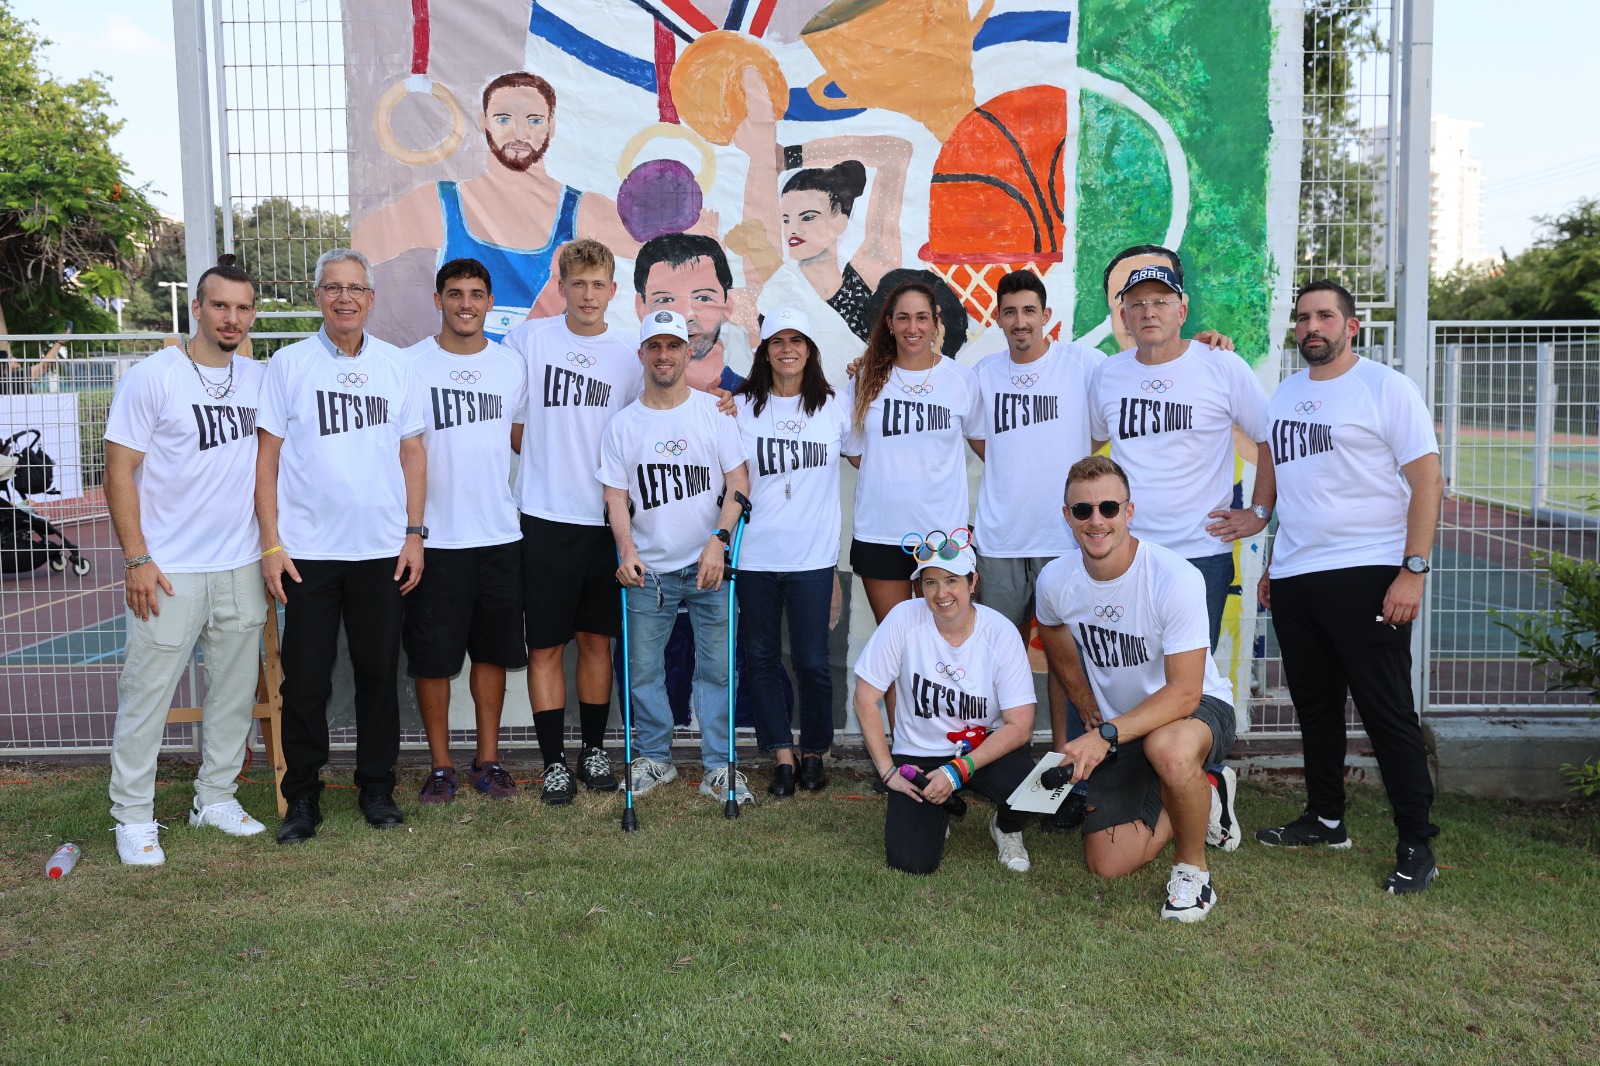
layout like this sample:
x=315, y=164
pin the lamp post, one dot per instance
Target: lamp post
x=172, y=287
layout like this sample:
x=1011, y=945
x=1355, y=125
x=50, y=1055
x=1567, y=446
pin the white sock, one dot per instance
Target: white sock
x=1333, y=824
x=1203, y=876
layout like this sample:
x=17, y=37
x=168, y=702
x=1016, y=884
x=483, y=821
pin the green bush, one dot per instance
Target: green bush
x=94, y=406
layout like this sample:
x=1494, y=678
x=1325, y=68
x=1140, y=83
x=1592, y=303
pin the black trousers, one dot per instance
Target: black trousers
x=1331, y=645
x=913, y=833
x=366, y=597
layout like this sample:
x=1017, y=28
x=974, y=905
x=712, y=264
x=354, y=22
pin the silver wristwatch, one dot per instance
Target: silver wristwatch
x=1417, y=564
x=1261, y=511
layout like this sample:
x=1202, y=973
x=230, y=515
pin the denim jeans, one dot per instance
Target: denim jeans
x=806, y=597
x=1218, y=572
x=652, y=610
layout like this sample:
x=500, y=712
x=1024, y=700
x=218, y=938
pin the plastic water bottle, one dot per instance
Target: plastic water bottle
x=62, y=862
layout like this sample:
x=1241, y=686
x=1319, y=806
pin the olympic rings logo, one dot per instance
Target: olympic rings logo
x=1306, y=407
x=1108, y=612
x=1024, y=381
x=921, y=389
x=672, y=447
x=1156, y=385
x=466, y=377
x=936, y=543
x=581, y=359
x=789, y=427
x=950, y=673
x=351, y=381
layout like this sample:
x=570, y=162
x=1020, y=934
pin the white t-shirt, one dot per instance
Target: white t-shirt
x=1036, y=425
x=1126, y=628
x=1337, y=449
x=341, y=492
x=575, y=385
x=1171, y=428
x=945, y=690
x=471, y=403
x=672, y=464
x=913, y=452
x=197, y=481
x=794, y=483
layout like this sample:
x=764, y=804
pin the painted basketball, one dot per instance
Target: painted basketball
x=658, y=196
x=708, y=83
x=998, y=190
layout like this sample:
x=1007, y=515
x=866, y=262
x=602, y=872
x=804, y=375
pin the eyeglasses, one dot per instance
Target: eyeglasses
x=1108, y=509
x=1159, y=304
x=936, y=543
x=334, y=292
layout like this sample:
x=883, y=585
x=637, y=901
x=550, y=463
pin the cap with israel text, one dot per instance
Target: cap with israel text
x=1165, y=275
x=663, y=324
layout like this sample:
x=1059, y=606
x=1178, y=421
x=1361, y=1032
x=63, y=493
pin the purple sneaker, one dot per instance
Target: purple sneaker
x=492, y=780
x=441, y=785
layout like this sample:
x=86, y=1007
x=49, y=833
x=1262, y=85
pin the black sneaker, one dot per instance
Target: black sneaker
x=594, y=770
x=1068, y=818
x=559, y=788
x=1414, y=870
x=1304, y=832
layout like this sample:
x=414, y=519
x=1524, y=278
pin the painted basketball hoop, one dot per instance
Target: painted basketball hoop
x=418, y=82
x=996, y=200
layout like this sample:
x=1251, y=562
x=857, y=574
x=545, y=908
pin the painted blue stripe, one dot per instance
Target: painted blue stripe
x=735, y=19
x=803, y=109
x=1050, y=27
x=590, y=52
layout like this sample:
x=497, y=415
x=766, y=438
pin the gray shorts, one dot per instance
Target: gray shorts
x=1006, y=585
x=1126, y=789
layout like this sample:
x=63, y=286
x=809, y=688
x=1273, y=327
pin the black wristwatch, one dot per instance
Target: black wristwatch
x=1108, y=733
x=421, y=531
x=1417, y=564
x=721, y=534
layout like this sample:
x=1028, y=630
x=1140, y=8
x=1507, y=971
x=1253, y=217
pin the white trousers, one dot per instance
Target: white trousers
x=224, y=611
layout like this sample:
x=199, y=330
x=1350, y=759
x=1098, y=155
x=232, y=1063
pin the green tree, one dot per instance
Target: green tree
x=71, y=220
x=1558, y=277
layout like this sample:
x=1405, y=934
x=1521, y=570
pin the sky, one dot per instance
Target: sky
x=1539, y=145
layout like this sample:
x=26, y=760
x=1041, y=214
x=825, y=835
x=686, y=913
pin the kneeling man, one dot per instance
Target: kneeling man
x=1137, y=613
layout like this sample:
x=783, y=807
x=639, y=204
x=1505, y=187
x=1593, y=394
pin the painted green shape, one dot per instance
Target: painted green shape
x=1205, y=66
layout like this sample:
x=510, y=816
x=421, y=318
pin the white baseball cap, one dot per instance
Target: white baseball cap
x=964, y=562
x=663, y=324
x=780, y=318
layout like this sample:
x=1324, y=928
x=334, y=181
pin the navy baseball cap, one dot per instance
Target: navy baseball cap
x=1166, y=275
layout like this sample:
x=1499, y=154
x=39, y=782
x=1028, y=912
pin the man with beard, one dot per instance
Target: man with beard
x=1358, y=501
x=513, y=218
x=688, y=273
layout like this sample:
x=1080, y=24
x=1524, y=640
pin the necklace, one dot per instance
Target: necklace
x=215, y=389
x=793, y=425
x=921, y=388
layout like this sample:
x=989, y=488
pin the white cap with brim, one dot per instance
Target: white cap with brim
x=663, y=324
x=781, y=318
x=965, y=562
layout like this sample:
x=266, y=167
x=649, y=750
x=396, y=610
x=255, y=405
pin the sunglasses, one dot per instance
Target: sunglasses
x=1108, y=509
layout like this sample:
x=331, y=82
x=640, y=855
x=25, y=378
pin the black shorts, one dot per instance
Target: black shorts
x=1126, y=789
x=881, y=562
x=468, y=603
x=569, y=582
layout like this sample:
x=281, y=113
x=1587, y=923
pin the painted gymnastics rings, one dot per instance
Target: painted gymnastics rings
x=383, y=119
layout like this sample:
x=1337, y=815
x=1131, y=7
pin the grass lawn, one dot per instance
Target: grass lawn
x=1501, y=471
x=510, y=933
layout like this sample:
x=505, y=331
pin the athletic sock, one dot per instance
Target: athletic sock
x=1330, y=823
x=592, y=720
x=551, y=727
x=1203, y=876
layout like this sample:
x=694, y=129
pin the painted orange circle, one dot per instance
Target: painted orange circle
x=708, y=83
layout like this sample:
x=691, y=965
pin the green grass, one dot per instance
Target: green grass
x=1502, y=472
x=509, y=933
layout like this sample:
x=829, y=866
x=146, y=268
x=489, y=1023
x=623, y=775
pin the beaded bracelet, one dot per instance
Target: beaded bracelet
x=136, y=562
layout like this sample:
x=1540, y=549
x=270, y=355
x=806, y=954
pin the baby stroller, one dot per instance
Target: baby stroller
x=28, y=541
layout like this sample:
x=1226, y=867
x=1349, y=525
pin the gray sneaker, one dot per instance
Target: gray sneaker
x=647, y=774
x=715, y=785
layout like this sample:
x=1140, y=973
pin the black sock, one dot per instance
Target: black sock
x=592, y=719
x=551, y=727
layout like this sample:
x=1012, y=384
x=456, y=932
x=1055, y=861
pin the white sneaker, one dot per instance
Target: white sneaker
x=647, y=774
x=715, y=785
x=1189, y=899
x=139, y=845
x=1222, y=830
x=228, y=817
x=1013, y=855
